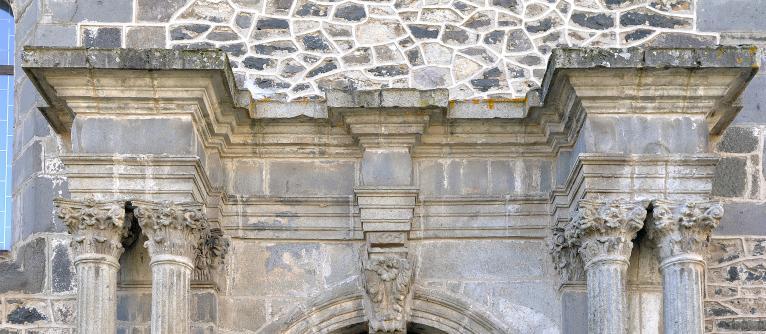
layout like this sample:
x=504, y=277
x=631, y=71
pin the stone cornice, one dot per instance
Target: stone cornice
x=97, y=227
x=160, y=83
x=683, y=228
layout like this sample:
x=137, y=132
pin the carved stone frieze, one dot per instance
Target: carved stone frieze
x=683, y=227
x=97, y=227
x=604, y=229
x=387, y=281
x=173, y=228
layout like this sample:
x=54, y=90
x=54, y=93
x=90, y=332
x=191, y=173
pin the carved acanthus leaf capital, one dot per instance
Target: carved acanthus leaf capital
x=211, y=253
x=97, y=227
x=172, y=228
x=683, y=227
x=563, y=248
x=604, y=229
x=387, y=280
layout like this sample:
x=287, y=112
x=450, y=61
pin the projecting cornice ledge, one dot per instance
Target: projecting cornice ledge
x=702, y=81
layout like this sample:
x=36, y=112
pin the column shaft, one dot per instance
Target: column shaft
x=96, y=295
x=682, y=297
x=171, y=279
x=607, y=301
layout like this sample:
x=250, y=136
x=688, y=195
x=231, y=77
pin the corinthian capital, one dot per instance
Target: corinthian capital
x=604, y=229
x=683, y=227
x=97, y=227
x=174, y=229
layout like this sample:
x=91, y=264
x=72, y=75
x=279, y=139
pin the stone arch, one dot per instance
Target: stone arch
x=343, y=308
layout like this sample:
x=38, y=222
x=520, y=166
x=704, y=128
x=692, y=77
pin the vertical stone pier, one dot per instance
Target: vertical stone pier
x=604, y=230
x=682, y=232
x=97, y=230
x=174, y=232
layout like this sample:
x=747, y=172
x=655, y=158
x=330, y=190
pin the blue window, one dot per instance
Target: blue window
x=6, y=122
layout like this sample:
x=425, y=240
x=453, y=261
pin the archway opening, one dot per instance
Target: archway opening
x=412, y=328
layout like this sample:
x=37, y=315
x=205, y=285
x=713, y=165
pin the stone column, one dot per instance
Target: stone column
x=604, y=230
x=97, y=230
x=175, y=232
x=682, y=232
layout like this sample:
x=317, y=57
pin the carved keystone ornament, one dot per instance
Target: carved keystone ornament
x=387, y=281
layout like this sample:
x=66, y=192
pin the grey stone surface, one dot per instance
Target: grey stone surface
x=27, y=273
x=315, y=178
x=574, y=312
x=62, y=270
x=145, y=37
x=157, y=10
x=33, y=198
x=739, y=140
x=386, y=168
x=134, y=307
x=645, y=135
x=101, y=37
x=754, y=102
x=730, y=15
x=742, y=219
x=112, y=11
x=27, y=163
x=159, y=136
x=55, y=35
x=730, y=177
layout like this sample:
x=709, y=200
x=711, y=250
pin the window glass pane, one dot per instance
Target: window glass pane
x=6, y=128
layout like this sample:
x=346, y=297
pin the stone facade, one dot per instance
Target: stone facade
x=387, y=167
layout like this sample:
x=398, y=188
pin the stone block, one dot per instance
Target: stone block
x=134, y=307
x=742, y=219
x=574, y=312
x=289, y=269
x=739, y=140
x=33, y=207
x=148, y=37
x=112, y=11
x=311, y=178
x=157, y=10
x=62, y=269
x=472, y=259
x=55, y=35
x=645, y=135
x=386, y=168
x=245, y=178
x=730, y=177
x=730, y=15
x=101, y=37
x=32, y=125
x=155, y=135
x=27, y=273
x=27, y=163
x=205, y=307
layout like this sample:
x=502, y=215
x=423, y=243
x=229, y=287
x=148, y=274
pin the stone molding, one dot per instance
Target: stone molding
x=387, y=281
x=97, y=227
x=682, y=229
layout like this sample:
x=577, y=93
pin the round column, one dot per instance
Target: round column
x=97, y=230
x=681, y=231
x=604, y=230
x=175, y=232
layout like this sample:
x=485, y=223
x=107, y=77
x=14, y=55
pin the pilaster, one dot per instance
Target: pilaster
x=682, y=231
x=603, y=232
x=97, y=230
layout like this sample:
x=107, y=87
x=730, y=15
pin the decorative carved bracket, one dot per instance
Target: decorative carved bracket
x=387, y=281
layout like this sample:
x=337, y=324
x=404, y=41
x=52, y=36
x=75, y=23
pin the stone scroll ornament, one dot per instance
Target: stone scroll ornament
x=96, y=226
x=563, y=250
x=211, y=253
x=387, y=281
x=682, y=228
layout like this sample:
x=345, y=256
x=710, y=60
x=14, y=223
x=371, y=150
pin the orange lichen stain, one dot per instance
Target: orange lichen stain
x=490, y=104
x=753, y=49
x=452, y=104
x=739, y=60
